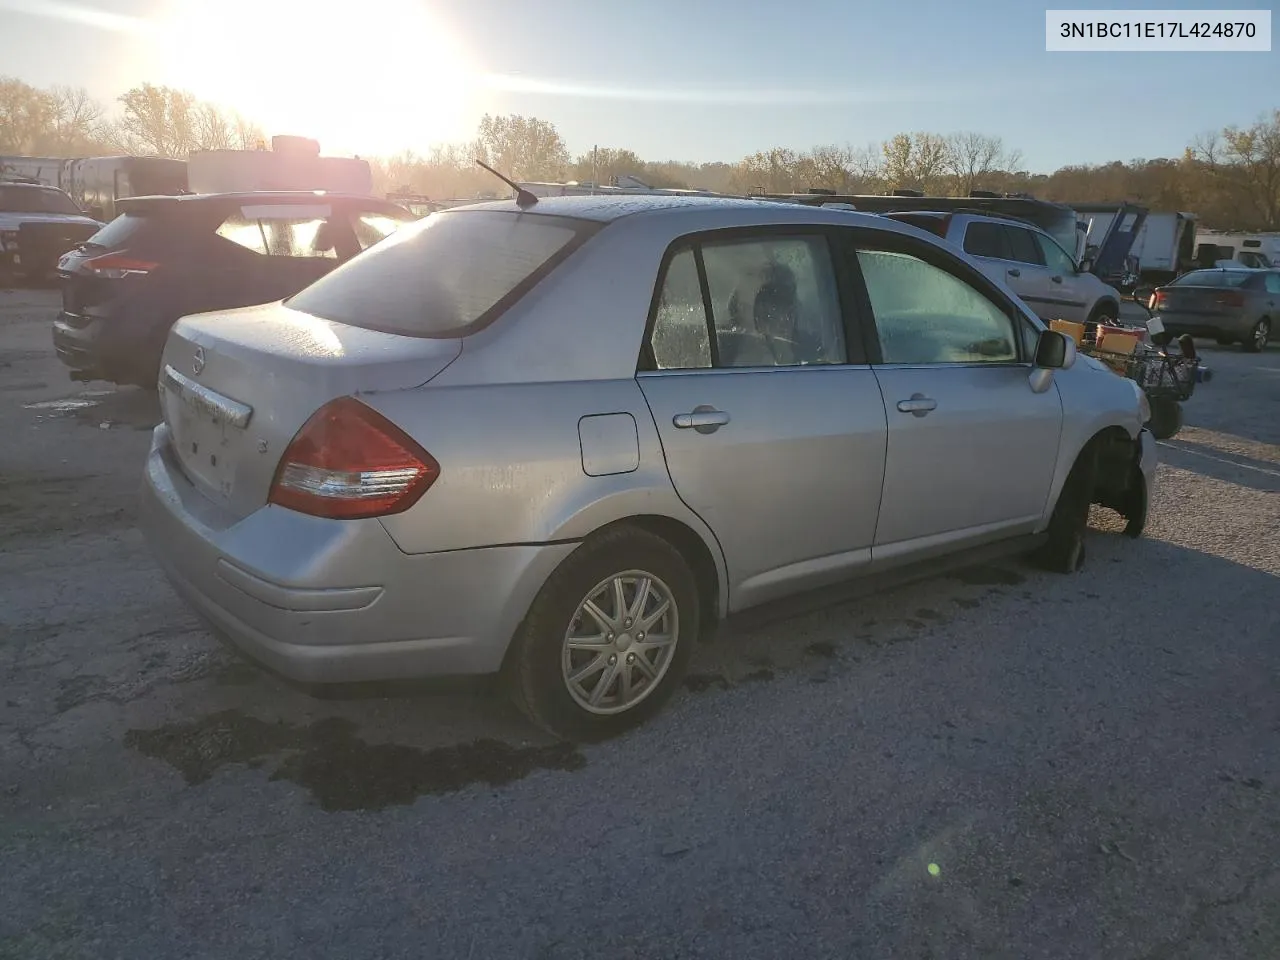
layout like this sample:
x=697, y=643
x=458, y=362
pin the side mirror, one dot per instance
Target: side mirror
x=1055, y=351
x=1085, y=265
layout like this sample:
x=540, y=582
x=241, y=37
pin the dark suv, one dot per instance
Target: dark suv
x=38, y=223
x=166, y=257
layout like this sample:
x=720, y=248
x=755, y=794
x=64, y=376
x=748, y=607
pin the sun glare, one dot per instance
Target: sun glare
x=372, y=77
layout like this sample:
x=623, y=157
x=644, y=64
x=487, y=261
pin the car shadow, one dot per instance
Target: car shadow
x=1209, y=461
x=370, y=746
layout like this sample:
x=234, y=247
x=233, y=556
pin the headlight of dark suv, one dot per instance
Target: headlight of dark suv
x=8, y=239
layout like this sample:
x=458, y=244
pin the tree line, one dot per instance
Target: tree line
x=1230, y=177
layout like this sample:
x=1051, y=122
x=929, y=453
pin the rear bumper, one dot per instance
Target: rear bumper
x=335, y=601
x=97, y=348
x=1206, y=325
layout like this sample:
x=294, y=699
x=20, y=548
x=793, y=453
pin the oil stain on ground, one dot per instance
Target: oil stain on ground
x=342, y=771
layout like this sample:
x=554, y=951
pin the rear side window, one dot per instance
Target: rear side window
x=301, y=232
x=445, y=275
x=1212, y=278
x=983, y=239
x=371, y=227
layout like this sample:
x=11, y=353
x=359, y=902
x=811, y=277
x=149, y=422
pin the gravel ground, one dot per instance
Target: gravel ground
x=998, y=764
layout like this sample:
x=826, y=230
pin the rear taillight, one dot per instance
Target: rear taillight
x=113, y=266
x=348, y=462
x=1158, y=300
x=1232, y=298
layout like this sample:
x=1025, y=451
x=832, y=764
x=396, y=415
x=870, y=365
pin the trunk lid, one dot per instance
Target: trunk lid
x=1198, y=300
x=237, y=385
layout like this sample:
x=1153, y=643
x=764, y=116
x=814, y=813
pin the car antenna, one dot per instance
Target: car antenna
x=523, y=197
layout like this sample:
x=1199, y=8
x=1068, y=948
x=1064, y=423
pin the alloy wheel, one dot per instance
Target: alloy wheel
x=620, y=642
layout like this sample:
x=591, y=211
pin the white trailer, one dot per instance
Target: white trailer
x=46, y=170
x=1164, y=246
x=1245, y=249
x=293, y=163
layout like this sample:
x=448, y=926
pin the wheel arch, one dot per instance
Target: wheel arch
x=1103, y=439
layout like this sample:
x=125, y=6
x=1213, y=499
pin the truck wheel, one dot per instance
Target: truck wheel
x=1166, y=418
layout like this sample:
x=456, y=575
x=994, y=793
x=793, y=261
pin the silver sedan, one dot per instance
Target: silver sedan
x=561, y=442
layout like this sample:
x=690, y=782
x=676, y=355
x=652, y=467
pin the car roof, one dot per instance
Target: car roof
x=261, y=196
x=608, y=208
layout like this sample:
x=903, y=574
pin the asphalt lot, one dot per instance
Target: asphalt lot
x=1092, y=763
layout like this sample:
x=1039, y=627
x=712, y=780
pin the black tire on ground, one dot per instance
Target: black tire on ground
x=1258, y=337
x=1166, y=418
x=533, y=672
x=1104, y=313
x=1136, y=505
x=1064, y=551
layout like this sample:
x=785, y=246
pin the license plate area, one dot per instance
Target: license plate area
x=206, y=430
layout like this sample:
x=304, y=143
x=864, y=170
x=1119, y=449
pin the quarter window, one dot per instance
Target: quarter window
x=925, y=315
x=681, y=340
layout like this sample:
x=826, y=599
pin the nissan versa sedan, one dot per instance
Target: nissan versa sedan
x=560, y=441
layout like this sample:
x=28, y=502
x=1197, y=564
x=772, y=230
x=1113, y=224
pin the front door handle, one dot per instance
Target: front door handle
x=1056, y=279
x=704, y=419
x=918, y=406
x=1015, y=273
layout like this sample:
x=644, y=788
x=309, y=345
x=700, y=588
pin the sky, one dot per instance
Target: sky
x=695, y=80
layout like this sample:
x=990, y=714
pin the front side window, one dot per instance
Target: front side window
x=1055, y=257
x=926, y=315
x=1022, y=245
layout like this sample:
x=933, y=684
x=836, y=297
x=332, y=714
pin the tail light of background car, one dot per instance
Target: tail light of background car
x=1158, y=300
x=1232, y=298
x=114, y=266
x=349, y=462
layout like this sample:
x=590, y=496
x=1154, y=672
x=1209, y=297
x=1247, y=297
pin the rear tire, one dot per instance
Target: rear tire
x=1105, y=313
x=560, y=640
x=1166, y=418
x=1064, y=550
x=1258, y=337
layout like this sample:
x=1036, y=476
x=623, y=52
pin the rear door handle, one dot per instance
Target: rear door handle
x=918, y=406
x=1015, y=273
x=1056, y=279
x=704, y=419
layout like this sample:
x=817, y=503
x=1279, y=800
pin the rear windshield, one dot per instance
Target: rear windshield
x=119, y=231
x=446, y=275
x=36, y=200
x=1213, y=278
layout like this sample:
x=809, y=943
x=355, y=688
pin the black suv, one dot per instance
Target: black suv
x=38, y=223
x=163, y=258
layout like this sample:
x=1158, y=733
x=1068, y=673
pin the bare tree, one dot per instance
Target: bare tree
x=1247, y=164
x=972, y=158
